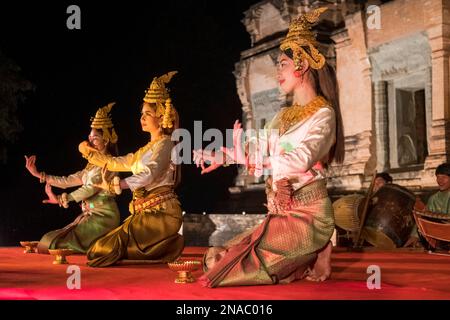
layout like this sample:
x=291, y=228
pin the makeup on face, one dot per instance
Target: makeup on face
x=95, y=139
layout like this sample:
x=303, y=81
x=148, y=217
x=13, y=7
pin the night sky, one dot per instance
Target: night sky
x=114, y=57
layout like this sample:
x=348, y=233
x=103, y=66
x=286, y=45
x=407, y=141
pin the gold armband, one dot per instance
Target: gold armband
x=63, y=200
x=114, y=186
x=43, y=177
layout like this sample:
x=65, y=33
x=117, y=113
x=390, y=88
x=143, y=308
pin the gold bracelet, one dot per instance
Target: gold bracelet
x=116, y=185
x=111, y=187
x=65, y=200
x=43, y=177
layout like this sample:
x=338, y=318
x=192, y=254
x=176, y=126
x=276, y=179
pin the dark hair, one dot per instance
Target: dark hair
x=443, y=168
x=325, y=84
x=385, y=176
x=111, y=148
x=169, y=131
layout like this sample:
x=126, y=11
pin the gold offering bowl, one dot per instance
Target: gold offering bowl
x=60, y=255
x=30, y=246
x=184, y=269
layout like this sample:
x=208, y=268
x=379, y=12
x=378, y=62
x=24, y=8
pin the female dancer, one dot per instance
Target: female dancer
x=100, y=213
x=151, y=231
x=293, y=242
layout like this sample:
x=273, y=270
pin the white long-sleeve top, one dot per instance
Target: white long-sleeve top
x=297, y=153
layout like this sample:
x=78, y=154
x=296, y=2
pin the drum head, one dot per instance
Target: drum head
x=389, y=218
x=347, y=212
x=377, y=238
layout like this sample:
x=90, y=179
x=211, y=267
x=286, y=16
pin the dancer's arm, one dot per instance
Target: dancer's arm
x=87, y=190
x=116, y=164
x=63, y=182
x=156, y=166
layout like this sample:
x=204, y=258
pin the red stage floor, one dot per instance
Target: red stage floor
x=404, y=275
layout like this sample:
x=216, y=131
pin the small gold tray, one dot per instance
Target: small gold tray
x=60, y=255
x=184, y=269
x=30, y=246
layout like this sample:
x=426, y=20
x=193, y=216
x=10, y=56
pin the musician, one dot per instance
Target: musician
x=381, y=179
x=438, y=202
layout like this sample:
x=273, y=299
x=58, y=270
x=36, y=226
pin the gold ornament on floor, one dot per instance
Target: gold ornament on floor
x=300, y=36
x=103, y=121
x=60, y=255
x=30, y=246
x=184, y=269
x=296, y=113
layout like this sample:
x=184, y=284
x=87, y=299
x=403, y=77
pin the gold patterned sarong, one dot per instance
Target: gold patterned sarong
x=280, y=249
x=150, y=233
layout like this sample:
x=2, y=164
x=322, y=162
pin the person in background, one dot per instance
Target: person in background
x=381, y=179
x=439, y=202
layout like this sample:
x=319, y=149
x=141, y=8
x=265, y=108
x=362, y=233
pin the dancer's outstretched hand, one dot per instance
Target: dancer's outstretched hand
x=52, y=199
x=30, y=164
x=201, y=156
x=217, y=159
x=237, y=143
x=237, y=153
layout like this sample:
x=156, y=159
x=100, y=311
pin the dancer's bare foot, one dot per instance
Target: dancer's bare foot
x=322, y=267
x=213, y=255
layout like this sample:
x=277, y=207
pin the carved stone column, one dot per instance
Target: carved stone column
x=352, y=63
x=439, y=38
x=381, y=125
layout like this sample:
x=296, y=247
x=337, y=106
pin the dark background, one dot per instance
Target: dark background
x=114, y=57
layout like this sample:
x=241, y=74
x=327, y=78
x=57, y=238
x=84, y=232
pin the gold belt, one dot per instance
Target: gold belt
x=302, y=197
x=152, y=200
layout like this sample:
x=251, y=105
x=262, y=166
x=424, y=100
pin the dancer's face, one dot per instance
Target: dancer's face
x=443, y=181
x=285, y=73
x=149, y=121
x=96, y=140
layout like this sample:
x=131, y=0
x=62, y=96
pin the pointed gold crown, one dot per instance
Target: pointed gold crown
x=300, y=35
x=158, y=94
x=102, y=120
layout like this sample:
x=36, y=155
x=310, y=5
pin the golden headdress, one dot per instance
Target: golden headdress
x=102, y=120
x=300, y=35
x=158, y=94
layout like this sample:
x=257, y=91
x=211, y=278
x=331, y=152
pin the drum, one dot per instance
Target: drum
x=389, y=218
x=348, y=210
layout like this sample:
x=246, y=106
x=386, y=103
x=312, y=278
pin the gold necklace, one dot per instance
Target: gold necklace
x=152, y=142
x=148, y=146
x=296, y=113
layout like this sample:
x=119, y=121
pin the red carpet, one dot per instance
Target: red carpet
x=404, y=275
